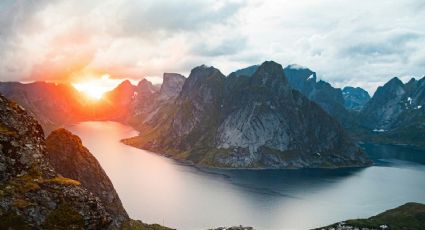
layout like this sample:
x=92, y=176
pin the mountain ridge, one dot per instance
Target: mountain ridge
x=205, y=114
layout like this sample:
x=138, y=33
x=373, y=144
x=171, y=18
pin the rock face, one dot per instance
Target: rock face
x=32, y=194
x=71, y=159
x=253, y=121
x=355, y=98
x=321, y=92
x=171, y=86
x=385, y=105
x=305, y=81
x=396, y=112
x=145, y=110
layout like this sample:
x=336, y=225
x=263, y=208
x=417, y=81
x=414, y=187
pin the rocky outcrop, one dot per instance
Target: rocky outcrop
x=253, y=121
x=66, y=153
x=355, y=98
x=171, y=86
x=32, y=193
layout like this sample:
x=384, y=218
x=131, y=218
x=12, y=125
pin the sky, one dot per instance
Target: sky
x=359, y=43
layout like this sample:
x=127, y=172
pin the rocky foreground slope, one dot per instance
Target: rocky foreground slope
x=71, y=159
x=255, y=121
x=33, y=195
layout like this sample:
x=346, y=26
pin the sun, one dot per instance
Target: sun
x=94, y=88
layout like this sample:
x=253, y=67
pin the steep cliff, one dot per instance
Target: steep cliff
x=253, y=121
x=71, y=159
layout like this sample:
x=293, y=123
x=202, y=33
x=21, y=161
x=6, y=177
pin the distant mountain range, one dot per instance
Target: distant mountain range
x=259, y=116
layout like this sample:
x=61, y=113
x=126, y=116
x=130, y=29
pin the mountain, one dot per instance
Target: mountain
x=34, y=195
x=305, y=81
x=408, y=216
x=386, y=104
x=57, y=105
x=396, y=113
x=321, y=92
x=145, y=109
x=171, y=86
x=52, y=104
x=66, y=153
x=248, y=71
x=355, y=98
x=254, y=121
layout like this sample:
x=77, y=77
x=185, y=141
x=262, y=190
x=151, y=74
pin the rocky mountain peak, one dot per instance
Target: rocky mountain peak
x=355, y=97
x=394, y=87
x=270, y=75
x=395, y=81
x=203, y=82
x=204, y=72
x=125, y=86
x=269, y=70
x=172, y=85
x=145, y=88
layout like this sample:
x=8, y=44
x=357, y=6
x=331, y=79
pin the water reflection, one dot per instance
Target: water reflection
x=158, y=190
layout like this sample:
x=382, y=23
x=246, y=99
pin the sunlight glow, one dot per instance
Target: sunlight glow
x=95, y=88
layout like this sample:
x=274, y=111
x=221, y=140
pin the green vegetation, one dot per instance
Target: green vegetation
x=12, y=221
x=139, y=225
x=410, y=216
x=64, y=217
x=32, y=181
x=62, y=181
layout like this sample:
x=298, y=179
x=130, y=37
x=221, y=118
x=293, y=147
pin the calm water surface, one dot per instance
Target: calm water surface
x=159, y=190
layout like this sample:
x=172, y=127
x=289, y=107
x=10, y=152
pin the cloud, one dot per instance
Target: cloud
x=362, y=43
x=51, y=40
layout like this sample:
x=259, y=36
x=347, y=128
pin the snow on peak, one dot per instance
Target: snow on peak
x=409, y=99
x=310, y=77
x=379, y=130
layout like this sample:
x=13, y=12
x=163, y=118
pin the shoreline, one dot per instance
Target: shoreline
x=206, y=167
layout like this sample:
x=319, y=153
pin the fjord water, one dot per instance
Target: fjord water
x=156, y=189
